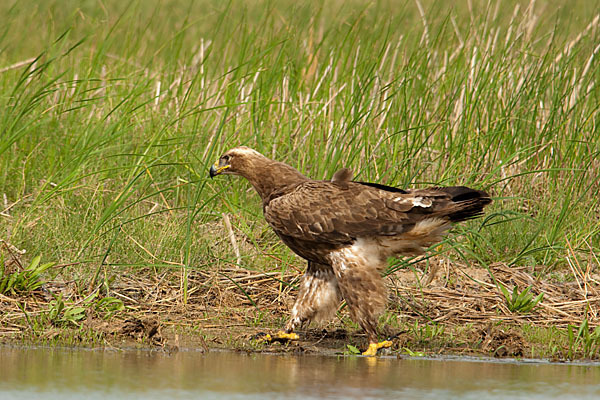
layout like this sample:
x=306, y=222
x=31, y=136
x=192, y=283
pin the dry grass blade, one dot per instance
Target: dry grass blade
x=477, y=300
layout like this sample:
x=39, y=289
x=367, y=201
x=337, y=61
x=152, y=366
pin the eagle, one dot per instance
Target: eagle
x=347, y=230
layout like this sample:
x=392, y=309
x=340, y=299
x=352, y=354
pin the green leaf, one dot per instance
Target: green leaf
x=414, y=353
x=352, y=349
x=34, y=263
x=504, y=292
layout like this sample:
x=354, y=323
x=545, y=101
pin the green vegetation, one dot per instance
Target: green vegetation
x=520, y=302
x=112, y=112
x=24, y=281
x=585, y=341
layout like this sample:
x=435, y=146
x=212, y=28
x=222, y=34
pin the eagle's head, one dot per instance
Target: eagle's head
x=236, y=161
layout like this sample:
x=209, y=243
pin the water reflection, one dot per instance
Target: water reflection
x=59, y=373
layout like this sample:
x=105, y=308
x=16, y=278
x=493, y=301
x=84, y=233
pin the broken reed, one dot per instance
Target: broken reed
x=112, y=116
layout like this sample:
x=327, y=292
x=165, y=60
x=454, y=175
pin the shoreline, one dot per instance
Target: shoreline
x=468, y=317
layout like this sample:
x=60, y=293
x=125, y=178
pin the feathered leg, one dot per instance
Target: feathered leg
x=318, y=297
x=362, y=286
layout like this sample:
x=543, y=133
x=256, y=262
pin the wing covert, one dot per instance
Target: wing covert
x=325, y=211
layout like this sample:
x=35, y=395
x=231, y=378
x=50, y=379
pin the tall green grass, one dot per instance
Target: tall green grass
x=111, y=114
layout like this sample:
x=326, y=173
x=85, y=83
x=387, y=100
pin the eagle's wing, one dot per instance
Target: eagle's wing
x=325, y=211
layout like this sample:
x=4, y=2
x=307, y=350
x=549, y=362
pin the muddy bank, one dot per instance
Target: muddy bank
x=438, y=308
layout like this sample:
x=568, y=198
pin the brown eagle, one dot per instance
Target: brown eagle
x=347, y=230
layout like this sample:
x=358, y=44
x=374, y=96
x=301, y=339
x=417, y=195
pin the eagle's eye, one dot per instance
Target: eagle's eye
x=226, y=158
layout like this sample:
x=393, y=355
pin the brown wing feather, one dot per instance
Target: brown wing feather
x=323, y=211
x=327, y=212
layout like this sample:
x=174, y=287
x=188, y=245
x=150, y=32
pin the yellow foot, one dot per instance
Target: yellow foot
x=280, y=336
x=373, y=347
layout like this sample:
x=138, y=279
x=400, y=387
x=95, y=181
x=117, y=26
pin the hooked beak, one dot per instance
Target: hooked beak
x=217, y=168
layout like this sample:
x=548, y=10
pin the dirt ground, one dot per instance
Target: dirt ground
x=434, y=308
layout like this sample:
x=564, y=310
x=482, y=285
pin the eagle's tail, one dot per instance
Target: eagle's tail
x=468, y=202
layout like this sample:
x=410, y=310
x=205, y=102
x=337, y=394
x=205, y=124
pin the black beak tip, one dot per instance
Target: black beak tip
x=212, y=172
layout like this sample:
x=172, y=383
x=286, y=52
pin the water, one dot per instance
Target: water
x=34, y=373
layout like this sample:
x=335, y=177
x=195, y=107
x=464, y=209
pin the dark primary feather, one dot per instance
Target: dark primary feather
x=472, y=202
x=383, y=187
